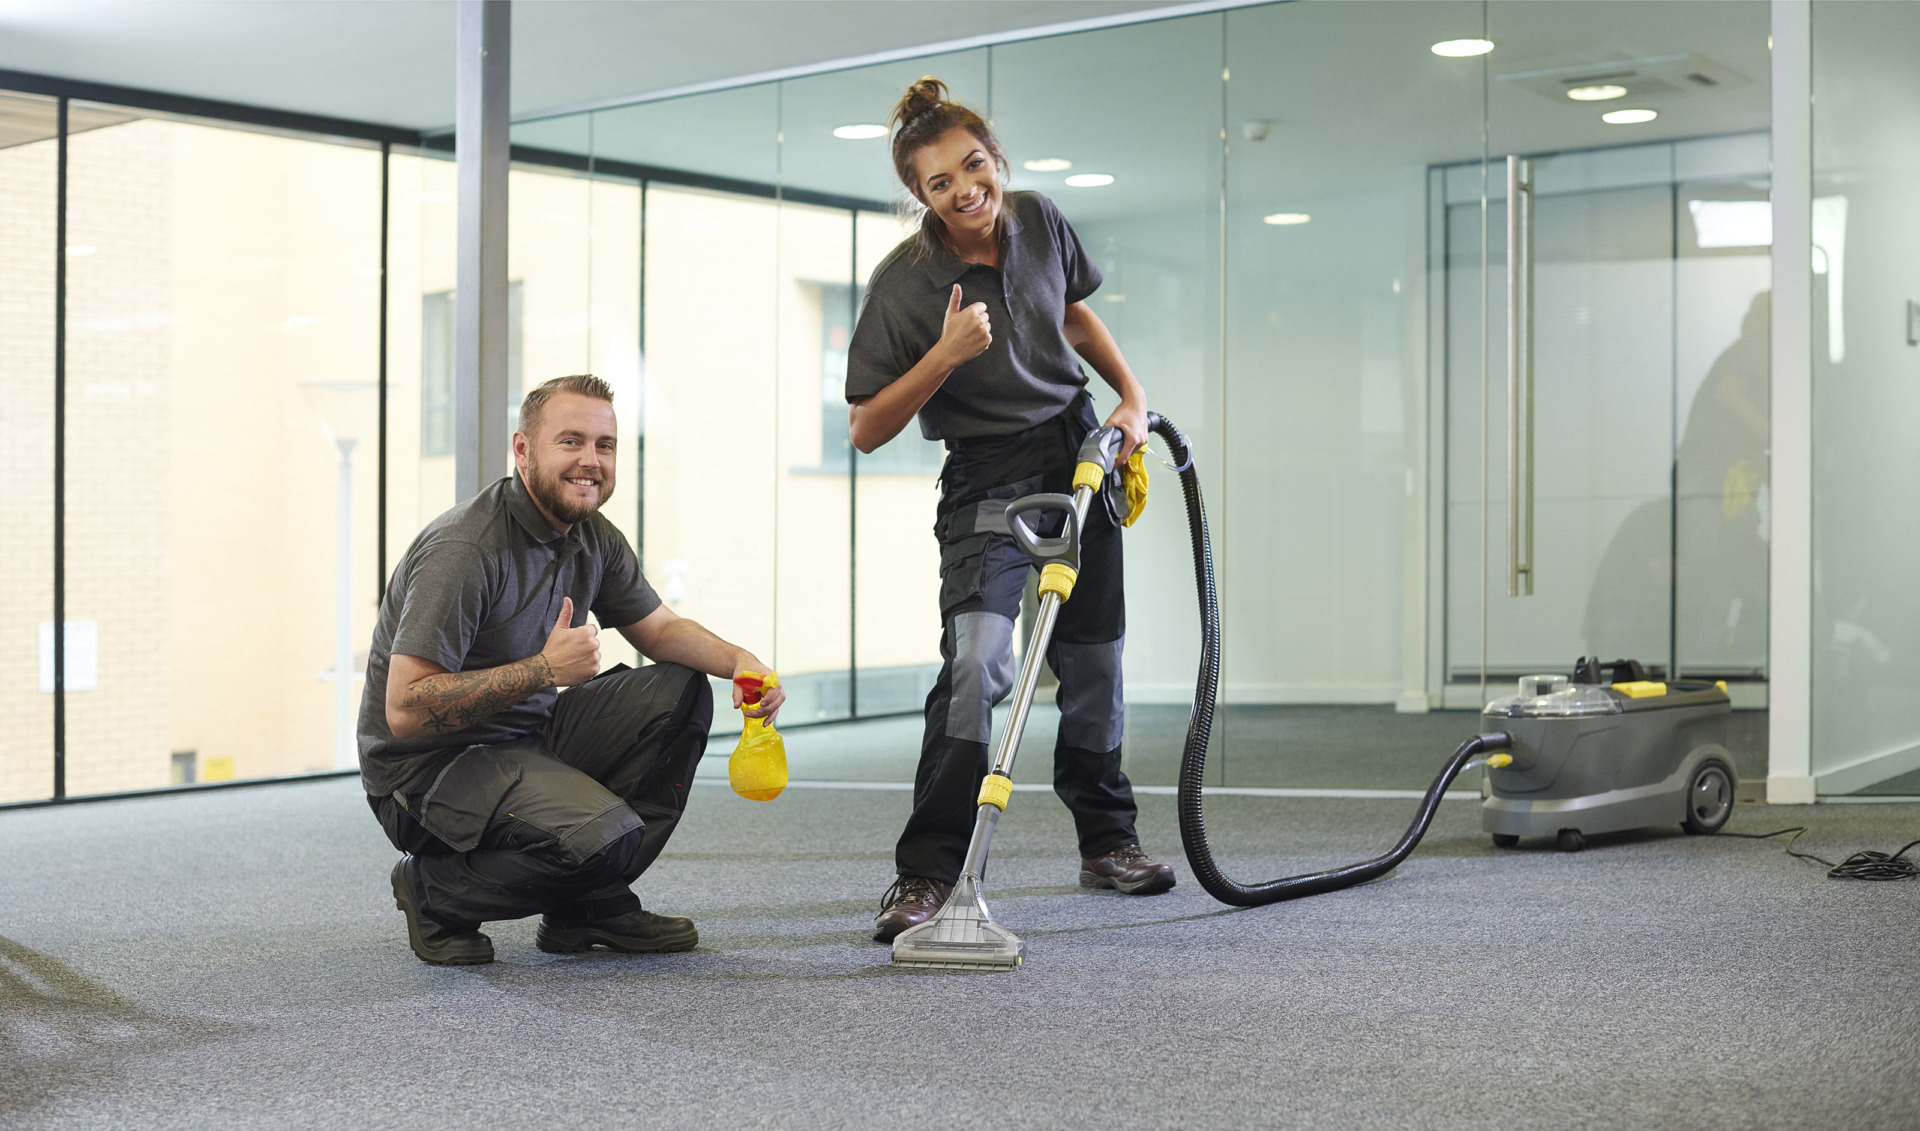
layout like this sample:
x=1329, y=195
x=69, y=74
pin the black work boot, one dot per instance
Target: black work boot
x=636, y=932
x=911, y=901
x=442, y=944
x=1127, y=870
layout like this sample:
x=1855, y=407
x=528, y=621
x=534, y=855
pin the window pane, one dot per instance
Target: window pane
x=221, y=405
x=710, y=458
x=814, y=515
x=898, y=602
x=422, y=267
x=28, y=202
x=1154, y=233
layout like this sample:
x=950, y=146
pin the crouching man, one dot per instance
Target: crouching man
x=509, y=796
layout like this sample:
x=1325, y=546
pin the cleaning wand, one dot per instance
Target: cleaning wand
x=962, y=934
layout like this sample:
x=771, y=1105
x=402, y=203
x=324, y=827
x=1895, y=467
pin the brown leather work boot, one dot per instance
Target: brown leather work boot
x=911, y=901
x=1128, y=870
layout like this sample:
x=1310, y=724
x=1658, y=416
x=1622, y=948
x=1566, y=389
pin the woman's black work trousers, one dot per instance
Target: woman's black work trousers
x=983, y=574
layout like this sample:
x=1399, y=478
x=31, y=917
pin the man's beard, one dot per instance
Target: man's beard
x=551, y=491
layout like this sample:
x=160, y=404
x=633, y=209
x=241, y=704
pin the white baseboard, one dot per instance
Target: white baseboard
x=1269, y=693
x=1412, y=703
x=1790, y=789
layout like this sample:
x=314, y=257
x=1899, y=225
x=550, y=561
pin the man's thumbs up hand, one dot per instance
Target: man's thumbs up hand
x=572, y=654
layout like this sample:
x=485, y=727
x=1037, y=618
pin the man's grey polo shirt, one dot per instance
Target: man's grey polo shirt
x=481, y=587
x=1029, y=373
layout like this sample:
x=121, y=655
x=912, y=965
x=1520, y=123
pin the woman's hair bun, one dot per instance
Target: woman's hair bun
x=928, y=93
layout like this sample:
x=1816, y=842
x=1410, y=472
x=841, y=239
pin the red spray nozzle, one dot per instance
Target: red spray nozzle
x=751, y=684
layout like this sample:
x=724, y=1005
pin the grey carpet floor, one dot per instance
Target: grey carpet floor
x=233, y=959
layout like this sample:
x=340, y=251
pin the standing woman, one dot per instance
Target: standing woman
x=973, y=324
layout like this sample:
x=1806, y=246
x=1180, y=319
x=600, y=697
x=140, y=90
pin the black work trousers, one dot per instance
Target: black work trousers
x=982, y=576
x=564, y=820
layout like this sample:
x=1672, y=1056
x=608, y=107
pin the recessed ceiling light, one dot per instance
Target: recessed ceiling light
x=1090, y=180
x=1597, y=93
x=1628, y=117
x=1047, y=165
x=860, y=132
x=1284, y=218
x=1463, y=48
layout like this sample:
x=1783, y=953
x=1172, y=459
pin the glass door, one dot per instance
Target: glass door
x=1606, y=356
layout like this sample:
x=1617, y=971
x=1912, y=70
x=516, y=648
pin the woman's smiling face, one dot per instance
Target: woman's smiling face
x=959, y=179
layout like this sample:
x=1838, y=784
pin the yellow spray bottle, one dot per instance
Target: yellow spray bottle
x=758, y=769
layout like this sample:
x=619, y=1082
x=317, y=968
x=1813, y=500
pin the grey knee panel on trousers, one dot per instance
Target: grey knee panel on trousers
x=983, y=673
x=1092, y=705
x=577, y=846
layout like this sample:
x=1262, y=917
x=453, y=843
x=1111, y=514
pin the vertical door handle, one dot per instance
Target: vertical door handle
x=1519, y=377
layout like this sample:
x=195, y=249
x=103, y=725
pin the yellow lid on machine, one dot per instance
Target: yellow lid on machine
x=1641, y=689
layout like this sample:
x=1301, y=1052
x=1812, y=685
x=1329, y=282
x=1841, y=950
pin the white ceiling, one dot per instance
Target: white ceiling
x=1354, y=95
x=391, y=61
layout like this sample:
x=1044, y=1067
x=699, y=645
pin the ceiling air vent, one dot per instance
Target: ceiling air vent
x=1644, y=79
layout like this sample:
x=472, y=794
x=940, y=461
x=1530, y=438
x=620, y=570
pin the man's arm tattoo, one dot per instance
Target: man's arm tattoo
x=454, y=701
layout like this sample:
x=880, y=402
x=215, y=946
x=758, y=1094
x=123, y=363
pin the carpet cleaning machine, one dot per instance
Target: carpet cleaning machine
x=1573, y=756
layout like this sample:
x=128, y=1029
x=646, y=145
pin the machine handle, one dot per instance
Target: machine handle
x=1519, y=377
x=1100, y=447
x=1064, y=547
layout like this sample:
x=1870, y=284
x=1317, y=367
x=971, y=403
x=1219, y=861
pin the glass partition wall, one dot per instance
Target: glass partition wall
x=1299, y=210
x=1866, y=394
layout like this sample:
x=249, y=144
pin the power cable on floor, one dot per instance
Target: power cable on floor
x=1862, y=865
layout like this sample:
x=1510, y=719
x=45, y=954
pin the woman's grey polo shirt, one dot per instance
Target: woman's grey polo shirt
x=481, y=587
x=1029, y=373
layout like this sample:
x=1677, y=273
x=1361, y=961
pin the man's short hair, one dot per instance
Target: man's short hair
x=535, y=404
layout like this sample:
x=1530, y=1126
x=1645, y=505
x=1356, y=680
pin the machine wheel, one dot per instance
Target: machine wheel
x=1709, y=798
x=1505, y=840
x=1570, y=840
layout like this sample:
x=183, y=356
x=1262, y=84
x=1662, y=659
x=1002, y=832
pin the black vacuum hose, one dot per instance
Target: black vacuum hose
x=1193, y=760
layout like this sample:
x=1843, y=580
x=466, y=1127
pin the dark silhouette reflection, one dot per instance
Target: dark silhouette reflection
x=1720, y=484
x=59, y=1029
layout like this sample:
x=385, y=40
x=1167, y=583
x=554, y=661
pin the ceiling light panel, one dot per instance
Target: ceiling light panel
x=1462, y=48
x=1089, y=180
x=1628, y=117
x=860, y=132
x=1047, y=165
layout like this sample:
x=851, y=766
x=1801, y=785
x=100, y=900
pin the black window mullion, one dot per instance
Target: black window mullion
x=60, y=459
x=853, y=486
x=380, y=517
